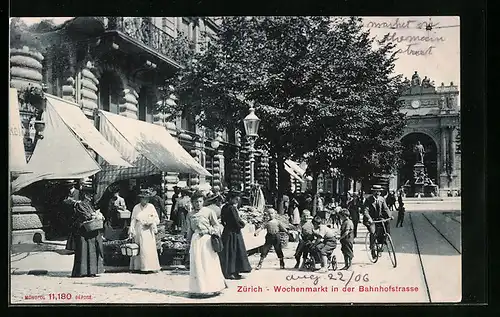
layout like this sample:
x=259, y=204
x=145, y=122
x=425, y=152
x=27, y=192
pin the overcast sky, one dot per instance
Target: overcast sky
x=434, y=53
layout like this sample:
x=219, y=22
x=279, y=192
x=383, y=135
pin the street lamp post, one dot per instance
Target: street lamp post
x=251, y=123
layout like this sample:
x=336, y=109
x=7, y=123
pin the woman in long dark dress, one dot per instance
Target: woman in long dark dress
x=87, y=245
x=234, y=258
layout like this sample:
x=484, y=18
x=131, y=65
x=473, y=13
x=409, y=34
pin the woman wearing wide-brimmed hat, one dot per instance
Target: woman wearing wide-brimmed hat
x=205, y=273
x=234, y=258
x=87, y=245
x=143, y=227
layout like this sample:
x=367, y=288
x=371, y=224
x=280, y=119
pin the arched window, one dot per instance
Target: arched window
x=109, y=92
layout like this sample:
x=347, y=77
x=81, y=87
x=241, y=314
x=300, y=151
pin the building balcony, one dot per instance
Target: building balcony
x=138, y=35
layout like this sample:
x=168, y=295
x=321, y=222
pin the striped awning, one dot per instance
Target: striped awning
x=293, y=174
x=59, y=155
x=148, y=147
x=74, y=118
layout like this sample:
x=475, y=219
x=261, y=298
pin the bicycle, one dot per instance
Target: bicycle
x=387, y=241
x=310, y=261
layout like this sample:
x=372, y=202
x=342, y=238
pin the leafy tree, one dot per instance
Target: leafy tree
x=323, y=93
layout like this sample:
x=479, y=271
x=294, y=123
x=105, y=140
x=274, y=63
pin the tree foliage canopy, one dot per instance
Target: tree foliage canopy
x=325, y=92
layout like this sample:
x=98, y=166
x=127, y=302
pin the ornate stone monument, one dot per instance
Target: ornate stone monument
x=420, y=185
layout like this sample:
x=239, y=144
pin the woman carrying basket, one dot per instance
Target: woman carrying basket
x=87, y=240
x=143, y=227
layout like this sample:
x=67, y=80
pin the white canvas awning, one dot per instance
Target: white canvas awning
x=295, y=167
x=148, y=147
x=17, y=156
x=59, y=155
x=292, y=173
x=73, y=116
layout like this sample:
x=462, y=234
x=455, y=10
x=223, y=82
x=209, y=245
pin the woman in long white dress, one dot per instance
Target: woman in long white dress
x=143, y=227
x=205, y=274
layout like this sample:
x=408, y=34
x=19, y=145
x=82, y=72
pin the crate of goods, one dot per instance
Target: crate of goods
x=174, y=250
x=112, y=253
x=130, y=249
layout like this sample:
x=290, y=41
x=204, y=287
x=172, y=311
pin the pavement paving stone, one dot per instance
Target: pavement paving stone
x=168, y=287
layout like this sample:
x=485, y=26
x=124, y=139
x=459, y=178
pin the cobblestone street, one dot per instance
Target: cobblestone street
x=437, y=235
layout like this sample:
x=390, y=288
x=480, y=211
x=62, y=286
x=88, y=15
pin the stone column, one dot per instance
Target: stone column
x=25, y=70
x=216, y=170
x=88, y=90
x=171, y=179
x=129, y=103
x=443, y=150
x=452, y=142
x=68, y=89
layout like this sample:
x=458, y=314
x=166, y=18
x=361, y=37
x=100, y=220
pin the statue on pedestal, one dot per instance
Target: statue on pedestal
x=420, y=151
x=415, y=79
x=426, y=82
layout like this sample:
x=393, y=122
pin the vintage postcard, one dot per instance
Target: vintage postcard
x=195, y=160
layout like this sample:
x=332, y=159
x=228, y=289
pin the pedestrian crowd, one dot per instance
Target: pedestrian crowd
x=217, y=249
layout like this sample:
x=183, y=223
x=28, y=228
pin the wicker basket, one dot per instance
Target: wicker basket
x=93, y=225
x=130, y=249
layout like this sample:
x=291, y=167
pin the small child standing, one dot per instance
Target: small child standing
x=273, y=227
x=401, y=215
x=346, y=238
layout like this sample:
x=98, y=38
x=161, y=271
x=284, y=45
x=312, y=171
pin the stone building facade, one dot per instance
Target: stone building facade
x=433, y=118
x=121, y=65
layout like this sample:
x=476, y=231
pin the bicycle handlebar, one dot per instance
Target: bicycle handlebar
x=382, y=220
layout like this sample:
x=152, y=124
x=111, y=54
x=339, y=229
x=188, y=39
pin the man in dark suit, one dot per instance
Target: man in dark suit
x=375, y=208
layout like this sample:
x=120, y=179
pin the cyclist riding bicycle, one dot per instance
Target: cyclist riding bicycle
x=375, y=208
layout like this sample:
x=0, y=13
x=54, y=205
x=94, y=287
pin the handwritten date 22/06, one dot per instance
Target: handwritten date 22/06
x=346, y=277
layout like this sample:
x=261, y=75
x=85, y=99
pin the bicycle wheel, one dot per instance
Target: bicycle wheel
x=367, y=245
x=391, y=250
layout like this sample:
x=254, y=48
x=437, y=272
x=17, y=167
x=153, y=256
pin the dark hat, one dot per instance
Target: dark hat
x=212, y=197
x=376, y=188
x=70, y=182
x=146, y=193
x=197, y=194
x=316, y=220
x=345, y=212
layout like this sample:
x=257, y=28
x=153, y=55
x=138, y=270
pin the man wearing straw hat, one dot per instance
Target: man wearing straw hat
x=375, y=208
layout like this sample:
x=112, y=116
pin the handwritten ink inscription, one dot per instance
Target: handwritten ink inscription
x=422, y=41
x=339, y=276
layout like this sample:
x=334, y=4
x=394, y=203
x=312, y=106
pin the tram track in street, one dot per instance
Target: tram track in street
x=452, y=218
x=426, y=283
x=441, y=234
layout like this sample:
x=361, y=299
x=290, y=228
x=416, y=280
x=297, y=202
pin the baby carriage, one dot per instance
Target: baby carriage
x=313, y=258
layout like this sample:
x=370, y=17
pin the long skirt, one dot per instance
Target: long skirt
x=205, y=273
x=234, y=258
x=147, y=260
x=88, y=254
